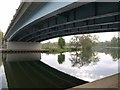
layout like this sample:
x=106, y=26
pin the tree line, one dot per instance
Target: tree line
x=84, y=42
x=114, y=42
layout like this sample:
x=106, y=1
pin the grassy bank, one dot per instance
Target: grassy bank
x=112, y=47
x=59, y=50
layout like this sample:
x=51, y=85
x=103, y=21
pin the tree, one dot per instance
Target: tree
x=83, y=58
x=88, y=41
x=75, y=42
x=61, y=58
x=85, y=41
x=1, y=38
x=86, y=55
x=61, y=42
x=114, y=42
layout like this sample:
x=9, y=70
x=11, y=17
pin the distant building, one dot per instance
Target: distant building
x=1, y=36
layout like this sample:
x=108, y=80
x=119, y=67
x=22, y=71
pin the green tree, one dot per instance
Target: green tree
x=83, y=58
x=0, y=59
x=85, y=41
x=114, y=42
x=75, y=42
x=61, y=58
x=86, y=55
x=61, y=42
x=1, y=37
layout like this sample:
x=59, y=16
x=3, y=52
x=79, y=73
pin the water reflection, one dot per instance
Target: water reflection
x=25, y=71
x=83, y=58
x=3, y=82
x=114, y=52
x=22, y=56
x=0, y=59
x=61, y=58
x=30, y=69
x=0, y=71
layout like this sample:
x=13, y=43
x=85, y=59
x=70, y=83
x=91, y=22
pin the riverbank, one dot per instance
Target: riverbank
x=23, y=51
x=112, y=47
x=59, y=50
x=108, y=82
x=56, y=50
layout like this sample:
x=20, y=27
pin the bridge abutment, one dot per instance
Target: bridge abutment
x=23, y=57
x=23, y=45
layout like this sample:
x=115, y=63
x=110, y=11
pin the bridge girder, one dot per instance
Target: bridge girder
x=89, y=18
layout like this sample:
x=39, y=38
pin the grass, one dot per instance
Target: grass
x=59, y=50
x=113, y=47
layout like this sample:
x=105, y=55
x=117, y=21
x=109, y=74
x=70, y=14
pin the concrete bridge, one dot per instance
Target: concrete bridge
x=38, y=21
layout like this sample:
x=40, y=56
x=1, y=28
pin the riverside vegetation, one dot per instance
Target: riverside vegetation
x=81, y=43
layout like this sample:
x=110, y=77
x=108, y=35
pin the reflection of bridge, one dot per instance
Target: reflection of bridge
x=27, y=71
x=35, y=22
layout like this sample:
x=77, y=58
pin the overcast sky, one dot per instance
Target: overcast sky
x=101, y=37
x=8, y=9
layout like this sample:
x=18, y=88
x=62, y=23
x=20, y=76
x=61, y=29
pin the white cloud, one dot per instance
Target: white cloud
x=7, y=10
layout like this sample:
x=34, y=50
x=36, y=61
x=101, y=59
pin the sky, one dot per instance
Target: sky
x=102, y=37
x=8, y=9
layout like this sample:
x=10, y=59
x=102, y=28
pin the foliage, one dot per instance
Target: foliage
x=58, y=50
x=114, y=52
x=75, y=42
x=0, y=59
x=61, y=42
x=85, y=41
x=86, y=55
x=83, y=58
x=115, y=42
x=1, y=37
x=61, y=58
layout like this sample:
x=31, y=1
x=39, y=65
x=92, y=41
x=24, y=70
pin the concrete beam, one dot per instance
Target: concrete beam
x=23, y=45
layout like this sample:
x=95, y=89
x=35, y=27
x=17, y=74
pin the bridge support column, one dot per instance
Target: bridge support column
x=23, y=45
x=23, y=57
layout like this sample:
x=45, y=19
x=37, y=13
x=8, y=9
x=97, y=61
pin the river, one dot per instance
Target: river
x=86, y=66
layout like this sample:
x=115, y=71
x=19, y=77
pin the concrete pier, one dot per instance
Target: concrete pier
x=23, y=57
x=108, y=82
x=23, y=45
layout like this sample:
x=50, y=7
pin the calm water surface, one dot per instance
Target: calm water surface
x=3, y=81
x=88, y=67
x=93, y=70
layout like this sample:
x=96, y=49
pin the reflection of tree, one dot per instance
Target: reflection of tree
x=84, y=58
x=61, y=58
x=0, y=59
x=114, y=52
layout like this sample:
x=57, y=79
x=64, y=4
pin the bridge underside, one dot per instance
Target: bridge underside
x=88, y=18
